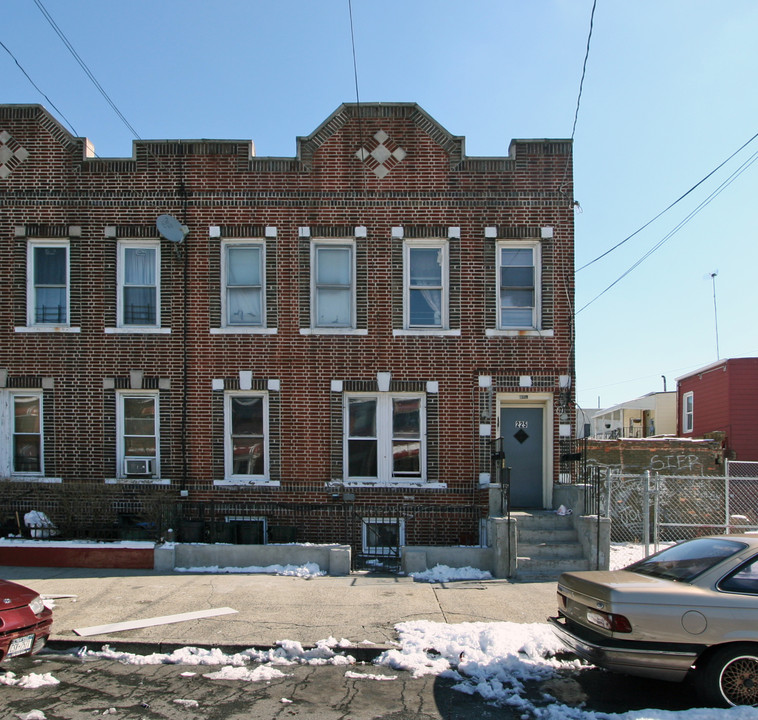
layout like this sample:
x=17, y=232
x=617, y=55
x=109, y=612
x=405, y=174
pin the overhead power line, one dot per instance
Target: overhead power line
x=752, y=159
x=84, y=67
x=37, y=88
x=663, y=212
x=584, y=68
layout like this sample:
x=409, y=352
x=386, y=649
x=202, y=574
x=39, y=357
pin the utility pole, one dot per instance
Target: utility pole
x=715, y=313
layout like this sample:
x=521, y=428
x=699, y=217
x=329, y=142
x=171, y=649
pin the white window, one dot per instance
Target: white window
x=21, y=441
x=383, y=536
x=333, y=285
x=518, y=283
x=688, y=408
x=246, y=435
x=138, y=435
x=425, y=285
x=139, y=284
x=243, y=293
x=385, y=437
x=48, y=283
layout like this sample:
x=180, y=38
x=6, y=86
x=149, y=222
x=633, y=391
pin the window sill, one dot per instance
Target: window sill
x=47, y=329
x=137, y=481
x=22, y=477
x=421, y=332
x=241, y=330
x=519, y=333
x=260, y=482
x=415, y=484
x=137, y=330
x=332, y=331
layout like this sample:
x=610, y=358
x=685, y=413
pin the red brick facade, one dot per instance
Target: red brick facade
x=370, y=185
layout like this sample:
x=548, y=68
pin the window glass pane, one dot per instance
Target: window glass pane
x=518, y=276
x=26, y=414
x=516, y=256
x=362, y=417
x=362, y=458
x=510, y=297
x=406, y=458
x=139, y=446
x=515, y=317
x=49, y=265
x=139, y=306
x=243, y=266
x=382, y=535
x=50, y=305
x=247, y=456
x=244, y=306
x=139, y=266
x=425, y=266
x=333, y=308
x=333, y=266
x=426, y=308
x=26, y=453
x=247, y=416
x=139, y=416
x=406, y=417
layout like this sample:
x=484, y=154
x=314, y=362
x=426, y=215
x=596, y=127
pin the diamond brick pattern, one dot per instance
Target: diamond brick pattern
x=11, y=154
x=383, y=157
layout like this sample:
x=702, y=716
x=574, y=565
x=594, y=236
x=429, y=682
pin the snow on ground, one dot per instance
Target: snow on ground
x=303, y=571
x=443, y=573
x=494, y=660
x=32, y=680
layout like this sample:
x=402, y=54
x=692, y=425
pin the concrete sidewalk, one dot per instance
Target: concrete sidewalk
x=359, y=607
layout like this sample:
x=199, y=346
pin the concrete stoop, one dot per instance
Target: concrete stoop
x=547, y=546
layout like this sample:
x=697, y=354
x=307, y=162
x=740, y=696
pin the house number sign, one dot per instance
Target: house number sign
x=521, y=424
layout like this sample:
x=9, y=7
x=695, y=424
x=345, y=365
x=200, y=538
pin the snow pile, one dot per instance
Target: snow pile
x=443, y=574
x=258, y=674
x=304, y=571
x=287, y=652
x=31, y=681
x=368, y=676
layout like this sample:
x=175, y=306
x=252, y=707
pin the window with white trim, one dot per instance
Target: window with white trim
x=518, y=285
x=48, y=283
x=425, y=286
x=138, y=435
x=243, y=284
x=21, y=441
x=139, y=284
x=333, y=285
x=382, y=536
x=688, y=412
x=246, y=435
x=385, y=437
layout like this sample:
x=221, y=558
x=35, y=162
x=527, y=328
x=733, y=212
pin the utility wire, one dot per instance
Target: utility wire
x=584, y=68
x=662, y=212
x=753, y=158
x=37, y=88
x=84, y=67
x=357, y=94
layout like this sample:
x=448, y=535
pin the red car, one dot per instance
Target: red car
x=25, y=622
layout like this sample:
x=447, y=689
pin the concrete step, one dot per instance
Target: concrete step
x=537, y=537
x=542, y=519
x=550, y=549
x=543, y=569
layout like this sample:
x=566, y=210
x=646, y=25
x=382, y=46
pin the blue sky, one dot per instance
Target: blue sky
x=669, y=94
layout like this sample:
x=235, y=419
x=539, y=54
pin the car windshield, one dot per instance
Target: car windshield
x=684, y=562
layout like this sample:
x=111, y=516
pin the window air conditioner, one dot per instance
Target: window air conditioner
x=139, y=466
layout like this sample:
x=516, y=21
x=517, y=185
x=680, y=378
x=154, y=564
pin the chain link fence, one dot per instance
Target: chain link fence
x=652, y=508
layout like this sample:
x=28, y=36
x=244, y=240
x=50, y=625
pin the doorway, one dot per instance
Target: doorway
x=522, y=428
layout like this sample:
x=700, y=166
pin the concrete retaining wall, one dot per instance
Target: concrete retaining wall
x=334, y=559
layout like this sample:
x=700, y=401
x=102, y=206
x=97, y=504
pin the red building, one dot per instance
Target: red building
x=722, y=397
x=315, y=348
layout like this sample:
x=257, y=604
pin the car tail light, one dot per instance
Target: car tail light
x=562, y=601
x=609, y=621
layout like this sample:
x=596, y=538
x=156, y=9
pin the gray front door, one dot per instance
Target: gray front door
x=522, y=431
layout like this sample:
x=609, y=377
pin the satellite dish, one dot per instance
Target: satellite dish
x=171, y=228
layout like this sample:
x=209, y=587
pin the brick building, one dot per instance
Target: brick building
x=315, y=348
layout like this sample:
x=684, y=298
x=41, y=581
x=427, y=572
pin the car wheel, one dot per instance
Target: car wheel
x=731, y=676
